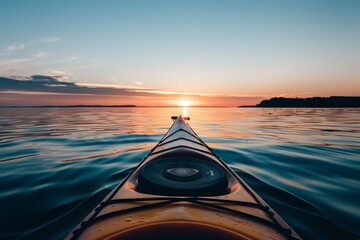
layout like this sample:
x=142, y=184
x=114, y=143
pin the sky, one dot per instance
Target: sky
x=159, y=53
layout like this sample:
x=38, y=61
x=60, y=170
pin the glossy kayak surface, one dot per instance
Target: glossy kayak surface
x=182, y=190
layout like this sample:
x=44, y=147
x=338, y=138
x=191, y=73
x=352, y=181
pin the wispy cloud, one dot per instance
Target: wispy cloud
x=116, y=86
x=15, y=61
x=75, y=57
x=51, y=40
x=40, y=54
x=18, y=77
x=41, y=58
x=138, y=83
x=15, y=47
x=58, y=80
x=34, y=92
x=30, y=59
x=63, y=75
x=57, y=84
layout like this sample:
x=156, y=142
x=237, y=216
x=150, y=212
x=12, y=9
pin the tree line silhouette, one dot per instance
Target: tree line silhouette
x=321, y=102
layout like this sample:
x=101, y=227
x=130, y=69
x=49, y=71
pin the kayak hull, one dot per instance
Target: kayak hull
x=216, y=204
x=180, y=218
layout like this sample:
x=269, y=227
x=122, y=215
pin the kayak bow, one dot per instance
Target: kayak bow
x=182, y=190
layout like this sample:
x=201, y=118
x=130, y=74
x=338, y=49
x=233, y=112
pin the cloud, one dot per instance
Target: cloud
x=59, y=82
x=15, y=60
x=34, y=93
x=75, y=57
x=15, y=47
x=56, y=84
x=51, y=40
x=40, y=54
x=20, y=77
x=118, y=86
x=51, y=87
x=138, y=83
x=11, y=61
x=63, y=75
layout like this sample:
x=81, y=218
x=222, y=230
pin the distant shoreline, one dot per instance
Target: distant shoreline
x=112, y=106
x=73, y=106
x=314, y=102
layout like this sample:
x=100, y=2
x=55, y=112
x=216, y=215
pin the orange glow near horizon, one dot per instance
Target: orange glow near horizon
x=55, y=99
x=184, y=103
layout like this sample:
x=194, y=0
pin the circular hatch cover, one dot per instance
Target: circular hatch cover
x=182, y=176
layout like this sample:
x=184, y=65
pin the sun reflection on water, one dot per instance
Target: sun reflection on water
x=185, y=111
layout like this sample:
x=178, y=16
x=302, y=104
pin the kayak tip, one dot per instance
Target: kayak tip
x=174, y=118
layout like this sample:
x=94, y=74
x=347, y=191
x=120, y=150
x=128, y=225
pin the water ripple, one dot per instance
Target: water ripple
x=57, y=164
x=19, y=157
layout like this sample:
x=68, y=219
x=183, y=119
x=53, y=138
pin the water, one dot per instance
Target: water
x=56, y=164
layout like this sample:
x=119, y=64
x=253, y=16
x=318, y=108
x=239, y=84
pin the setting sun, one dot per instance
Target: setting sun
x=184, y=103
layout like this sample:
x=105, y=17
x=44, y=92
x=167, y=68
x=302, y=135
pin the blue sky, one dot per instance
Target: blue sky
x=235, y=48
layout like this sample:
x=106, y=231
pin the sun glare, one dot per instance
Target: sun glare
x=185, y=112
x=184, y=103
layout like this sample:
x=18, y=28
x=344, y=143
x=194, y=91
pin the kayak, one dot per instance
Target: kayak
x=182, y=190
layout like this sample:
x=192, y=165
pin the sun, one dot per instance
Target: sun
x=184, y=103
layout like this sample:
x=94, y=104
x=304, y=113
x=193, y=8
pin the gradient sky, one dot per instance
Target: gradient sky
x=220, y=52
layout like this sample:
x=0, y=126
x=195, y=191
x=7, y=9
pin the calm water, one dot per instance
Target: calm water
x=57, y=164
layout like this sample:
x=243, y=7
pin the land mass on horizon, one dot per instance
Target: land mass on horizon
x=313, y=102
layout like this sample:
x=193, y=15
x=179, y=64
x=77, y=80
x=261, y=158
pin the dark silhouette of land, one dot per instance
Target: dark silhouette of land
x=314, y=102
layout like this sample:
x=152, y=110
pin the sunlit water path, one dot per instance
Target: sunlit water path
x=56, y=164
